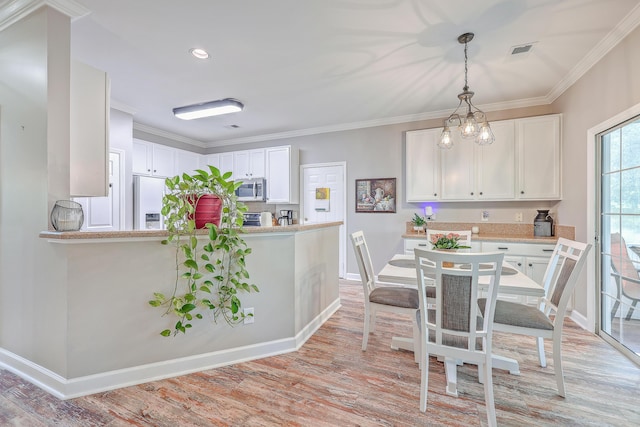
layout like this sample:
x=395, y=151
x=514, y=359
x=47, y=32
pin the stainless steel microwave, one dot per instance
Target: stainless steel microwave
x=252, y=190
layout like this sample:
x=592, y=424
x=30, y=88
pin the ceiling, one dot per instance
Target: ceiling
x=303, y=67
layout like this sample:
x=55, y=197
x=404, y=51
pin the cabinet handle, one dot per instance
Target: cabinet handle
x=435, y=194
x=503, y=248
x=530, y=265
x=422, y=244
x=154, y=171
x=521, y=192
x=472, y=193
x=481, y=193
x=519, y=264
x=547, y=250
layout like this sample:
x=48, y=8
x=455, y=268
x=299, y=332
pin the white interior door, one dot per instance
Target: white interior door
x=103, y=213
x=316, y=208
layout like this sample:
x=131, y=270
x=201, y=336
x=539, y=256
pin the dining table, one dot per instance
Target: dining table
x=400, y=269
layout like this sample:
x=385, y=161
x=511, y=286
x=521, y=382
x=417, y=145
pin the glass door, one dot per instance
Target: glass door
x=619, y=231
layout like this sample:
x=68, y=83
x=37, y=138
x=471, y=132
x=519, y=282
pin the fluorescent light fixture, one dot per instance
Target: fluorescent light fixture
x=208, y=109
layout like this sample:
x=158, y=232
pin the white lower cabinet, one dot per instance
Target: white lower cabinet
x=529, y=258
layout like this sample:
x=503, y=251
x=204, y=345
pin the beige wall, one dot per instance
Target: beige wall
x=607, y=89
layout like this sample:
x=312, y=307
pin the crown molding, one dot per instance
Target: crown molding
x=521, y=103
x=12, y=11
x=611, y=40
x=117, y=105
x=164, y=134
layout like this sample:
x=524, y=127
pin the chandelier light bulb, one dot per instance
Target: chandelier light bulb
x=469, y=127
x=485, y=136
x=445, y=138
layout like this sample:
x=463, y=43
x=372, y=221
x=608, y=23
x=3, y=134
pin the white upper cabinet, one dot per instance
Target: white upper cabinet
x=186, y=162
x=480, y=172
x=249, y=164
x=523, y=163
x=458, y=169
x=226, y=162
x=422, y=170
x=496, y=164
x=89, y=131
x=282, y=174
x=539, y=150
x=153, y=159
x=210, y=160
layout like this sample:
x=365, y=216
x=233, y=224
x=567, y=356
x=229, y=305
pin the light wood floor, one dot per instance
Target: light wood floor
x=331, y=382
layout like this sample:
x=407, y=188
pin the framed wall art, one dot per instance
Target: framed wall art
x=376, y=195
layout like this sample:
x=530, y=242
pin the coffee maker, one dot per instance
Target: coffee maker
x=286, y=217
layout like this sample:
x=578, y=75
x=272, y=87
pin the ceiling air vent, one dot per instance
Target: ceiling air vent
x=520, y=49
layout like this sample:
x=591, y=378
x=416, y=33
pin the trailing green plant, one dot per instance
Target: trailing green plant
x=210, y=264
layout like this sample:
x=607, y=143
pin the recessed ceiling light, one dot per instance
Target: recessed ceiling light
x=199, y=53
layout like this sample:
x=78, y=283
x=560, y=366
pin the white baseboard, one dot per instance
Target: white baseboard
x=581, y=320
x=64, y=388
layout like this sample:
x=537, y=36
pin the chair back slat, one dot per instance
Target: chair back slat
x=365, y=266
x=561, y=276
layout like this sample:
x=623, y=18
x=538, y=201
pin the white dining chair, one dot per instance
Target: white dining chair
x=560, y=278
x=453, y=327
x=394, y=299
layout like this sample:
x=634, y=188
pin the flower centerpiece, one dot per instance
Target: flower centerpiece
x=447, y=241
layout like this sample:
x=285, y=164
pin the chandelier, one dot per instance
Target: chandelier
x=472, y=125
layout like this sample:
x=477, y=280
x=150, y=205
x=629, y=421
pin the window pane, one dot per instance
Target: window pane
x=611, y=193
x=631, y=145
x=611, y=151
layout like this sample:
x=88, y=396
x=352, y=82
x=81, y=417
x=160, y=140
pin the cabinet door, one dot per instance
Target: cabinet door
x=458, y=169
x=539, y=158
x=162, y=160
x=282, y=175
x=257, y=163
x=226, y=162
x=141, y=157
x=210, y=160
x=422, y=165
x=496, y=164
x=536, y=267
x=186, y=162
x=241, y=165
x=89, y=131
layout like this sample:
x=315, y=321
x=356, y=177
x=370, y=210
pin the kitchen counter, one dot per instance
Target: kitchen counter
x=161, y=234
x=495, y=232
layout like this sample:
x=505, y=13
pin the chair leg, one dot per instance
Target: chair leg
x=541, y=357
x=614, y=309
x=631, y=309
x=424, y=377
x=417, y=341
x=557, y=362
x=488, y=392
x=451, y=374
x=365, y=329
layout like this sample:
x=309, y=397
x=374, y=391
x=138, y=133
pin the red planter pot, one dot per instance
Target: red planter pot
x=208, y=211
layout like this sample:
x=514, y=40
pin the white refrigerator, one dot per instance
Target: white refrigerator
x=147, y=202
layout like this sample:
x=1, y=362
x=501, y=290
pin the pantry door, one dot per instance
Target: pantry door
x=320, y=205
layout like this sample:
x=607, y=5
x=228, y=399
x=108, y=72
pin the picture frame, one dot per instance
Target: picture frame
x=376, y=195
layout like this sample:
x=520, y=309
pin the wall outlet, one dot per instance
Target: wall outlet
x=519, y=217
x=485, y=215
x=248, y=315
